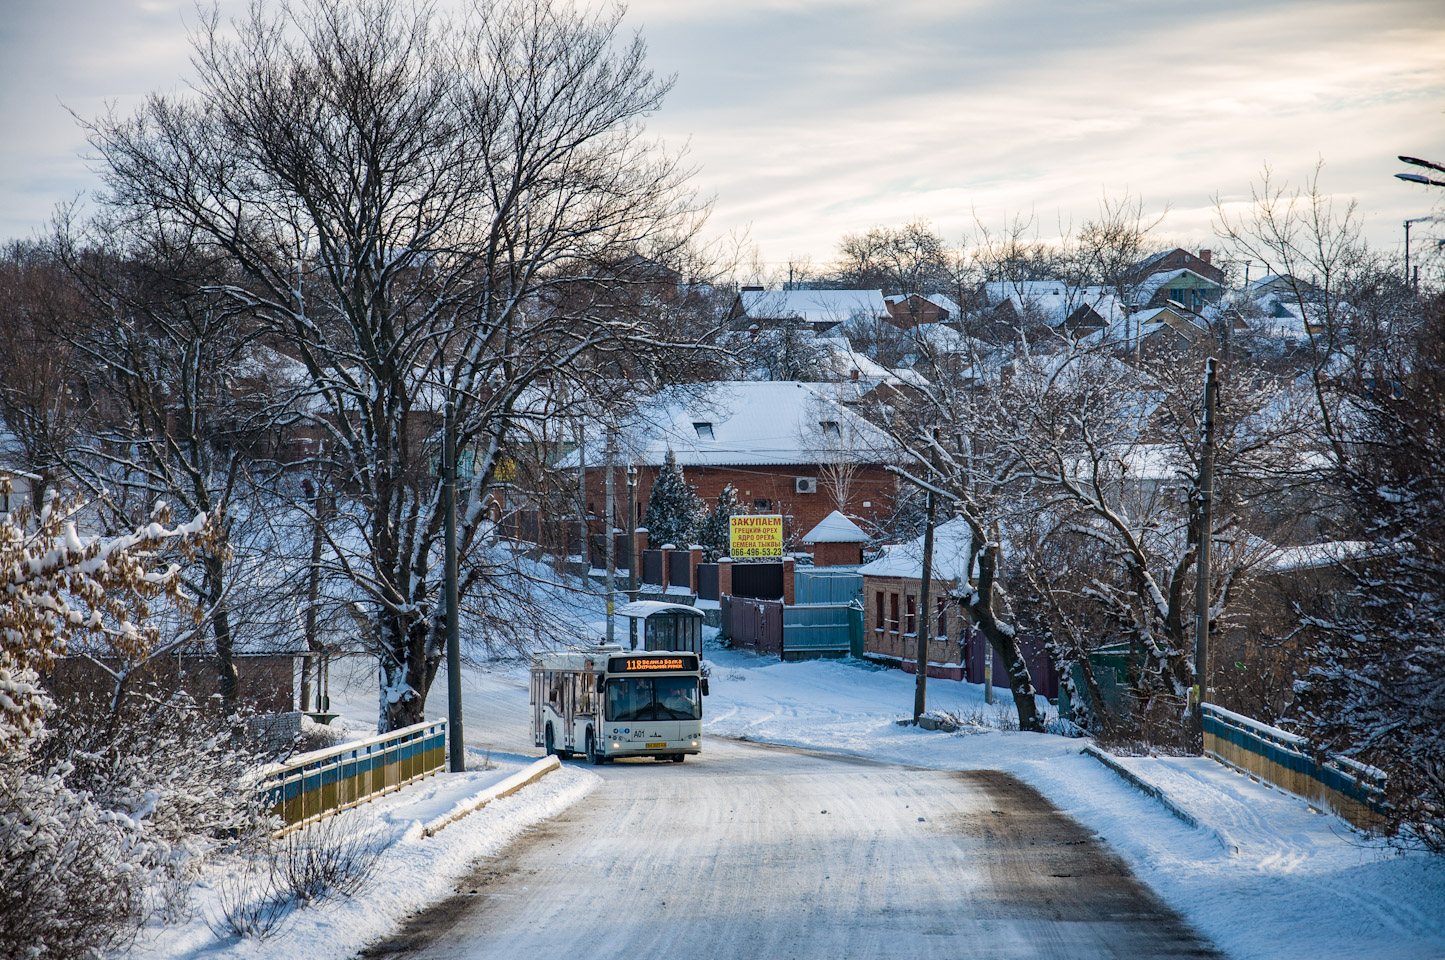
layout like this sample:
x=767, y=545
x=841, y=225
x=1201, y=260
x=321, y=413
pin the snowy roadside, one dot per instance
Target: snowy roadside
x=1301, y=883
x=413, y=871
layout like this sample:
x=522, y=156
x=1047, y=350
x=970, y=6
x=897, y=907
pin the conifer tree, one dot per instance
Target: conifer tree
x=673, y=508
x=715, y=532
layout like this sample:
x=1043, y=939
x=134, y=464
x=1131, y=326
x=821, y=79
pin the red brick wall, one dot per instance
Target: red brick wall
x=836, y=554
x=801, y=511
x=890, y=638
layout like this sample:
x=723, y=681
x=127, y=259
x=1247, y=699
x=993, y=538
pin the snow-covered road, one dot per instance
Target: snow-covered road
x=750, y=851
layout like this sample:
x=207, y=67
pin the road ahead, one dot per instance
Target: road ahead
x=753, y=852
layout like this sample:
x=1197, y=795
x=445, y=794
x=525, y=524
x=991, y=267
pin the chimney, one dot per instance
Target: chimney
x=853, y=374
x=1207, y=256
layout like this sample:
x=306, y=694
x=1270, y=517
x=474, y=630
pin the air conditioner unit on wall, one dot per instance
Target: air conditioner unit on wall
x=805, y=485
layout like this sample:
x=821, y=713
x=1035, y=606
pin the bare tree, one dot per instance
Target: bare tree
x=417, y=210
x=38, y=305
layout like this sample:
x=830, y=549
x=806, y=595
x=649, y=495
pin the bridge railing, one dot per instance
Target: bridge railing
x=1282, y=759
x=315, y=785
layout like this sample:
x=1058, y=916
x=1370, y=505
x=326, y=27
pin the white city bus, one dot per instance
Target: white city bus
x=604, y=702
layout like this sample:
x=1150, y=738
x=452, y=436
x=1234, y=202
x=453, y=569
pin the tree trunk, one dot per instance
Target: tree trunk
x=1003, y=639
x=404, y=674
x=229, y=679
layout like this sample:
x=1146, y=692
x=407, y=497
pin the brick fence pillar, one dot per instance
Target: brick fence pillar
x=724, y=576
x=694, y=557
x=639, y=544
x=667, y=549
x=788, y=581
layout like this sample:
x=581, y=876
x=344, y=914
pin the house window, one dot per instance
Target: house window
x=704, y=431
x=893, y=612
x=878, y=609
x=762, y=504
x=831, y=429
x=1177, y=294
x=942, y=618
x=912, y=626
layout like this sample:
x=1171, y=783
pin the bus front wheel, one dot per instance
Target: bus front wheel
x=594, y=754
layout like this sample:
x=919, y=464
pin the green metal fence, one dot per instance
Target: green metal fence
x=822, y=630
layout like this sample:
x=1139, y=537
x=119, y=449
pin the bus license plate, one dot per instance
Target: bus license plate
x=657, y=746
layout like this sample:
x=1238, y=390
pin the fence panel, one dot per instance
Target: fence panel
x=707, y=588
x=761, y=581
x=819, y=629
x=1351, y=789
x=1036, y=657
x=679, y=569
x=326, y=782
x=827, y=586
x=652, y=567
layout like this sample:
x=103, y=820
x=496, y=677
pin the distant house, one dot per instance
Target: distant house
x=786, y=447
x=1179, y=259
x=1079, y=310
x=818, y=310
x=1183, y=286
x=911, y=309
x=892, y=586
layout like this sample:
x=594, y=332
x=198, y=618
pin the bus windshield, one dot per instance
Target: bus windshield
x=653, y=698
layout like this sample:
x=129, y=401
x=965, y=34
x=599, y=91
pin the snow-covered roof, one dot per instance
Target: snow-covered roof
x=835, y=528
x=814, y=306
x=747, y=422
x=1312, y=556
x=1054, y=300
x=952, y=547
x=843, y=360
x=642, y=609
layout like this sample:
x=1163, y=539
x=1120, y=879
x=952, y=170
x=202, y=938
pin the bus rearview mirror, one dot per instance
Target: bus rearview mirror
x=704, y=686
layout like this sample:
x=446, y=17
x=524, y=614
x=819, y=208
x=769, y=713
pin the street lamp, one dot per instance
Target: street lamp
x=1417, y=178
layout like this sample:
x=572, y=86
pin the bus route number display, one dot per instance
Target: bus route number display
x=630, y=664
x=756, y=536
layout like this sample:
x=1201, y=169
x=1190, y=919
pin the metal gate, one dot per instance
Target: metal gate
x=762, y=581
x=756, y=624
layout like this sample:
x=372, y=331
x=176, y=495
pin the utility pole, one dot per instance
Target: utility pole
x=634, y=570
x=924, y=622
x=1206, y=536
x=456, y=755
x=611, y=536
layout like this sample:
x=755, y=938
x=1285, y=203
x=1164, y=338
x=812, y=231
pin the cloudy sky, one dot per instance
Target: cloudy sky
x=811, y=118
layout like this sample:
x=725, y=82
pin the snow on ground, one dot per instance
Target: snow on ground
x=1301, y=884
x=413, y=870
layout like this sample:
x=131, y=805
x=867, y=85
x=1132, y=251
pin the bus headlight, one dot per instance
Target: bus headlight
x=694, y=743
x=617, y=746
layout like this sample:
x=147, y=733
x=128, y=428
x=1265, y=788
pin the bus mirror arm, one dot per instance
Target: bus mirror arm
x=704, y=686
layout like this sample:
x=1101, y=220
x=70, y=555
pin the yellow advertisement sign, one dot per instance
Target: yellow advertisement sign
x=756, y=536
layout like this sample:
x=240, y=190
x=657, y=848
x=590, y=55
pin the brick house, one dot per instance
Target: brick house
x=787, y=447
x=892, y=588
